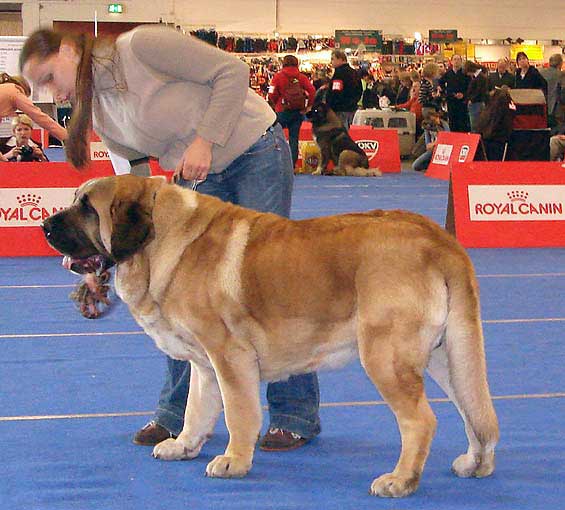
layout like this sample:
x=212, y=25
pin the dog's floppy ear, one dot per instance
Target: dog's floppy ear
x=129, y=224
x=132, y=228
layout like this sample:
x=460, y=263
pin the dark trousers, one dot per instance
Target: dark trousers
x=291, y=120
x=458, y=116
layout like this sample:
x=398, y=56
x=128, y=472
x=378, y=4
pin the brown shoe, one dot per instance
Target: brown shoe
x=152, y=434
x=280, y=440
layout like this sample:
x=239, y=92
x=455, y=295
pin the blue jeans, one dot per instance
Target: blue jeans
x=475, y=110
x=260, y=179
x=422, y=162
x=292, y=120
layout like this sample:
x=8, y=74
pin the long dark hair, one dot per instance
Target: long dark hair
x=496, y=120
x=45, y=43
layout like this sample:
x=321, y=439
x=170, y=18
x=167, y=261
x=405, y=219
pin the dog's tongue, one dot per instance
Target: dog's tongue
x=93, y=264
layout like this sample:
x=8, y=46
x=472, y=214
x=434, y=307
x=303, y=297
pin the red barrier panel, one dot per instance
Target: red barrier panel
x=30, y=192
x=451, y=150
x=510, y=204
x=381, y=145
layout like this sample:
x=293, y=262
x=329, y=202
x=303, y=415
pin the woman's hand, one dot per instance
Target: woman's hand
x=196, y=160
x=38, y=154
x=13, y=154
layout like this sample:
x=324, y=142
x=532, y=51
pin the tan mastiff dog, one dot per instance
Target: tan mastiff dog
x=247, y=296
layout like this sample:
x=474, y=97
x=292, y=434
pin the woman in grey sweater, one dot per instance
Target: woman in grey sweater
x=154, y=92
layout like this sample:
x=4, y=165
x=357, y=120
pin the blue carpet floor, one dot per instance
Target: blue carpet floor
x=73, y=391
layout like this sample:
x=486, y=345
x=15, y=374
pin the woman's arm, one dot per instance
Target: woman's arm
x=24, y=103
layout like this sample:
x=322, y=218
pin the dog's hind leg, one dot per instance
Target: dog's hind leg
x=392, y=361
x=479, y=459
x=203, y=408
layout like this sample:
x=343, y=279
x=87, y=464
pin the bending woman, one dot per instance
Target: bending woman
x=156, y=92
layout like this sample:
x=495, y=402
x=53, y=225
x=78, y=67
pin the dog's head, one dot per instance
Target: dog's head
x=318, y=114
x=109, y=220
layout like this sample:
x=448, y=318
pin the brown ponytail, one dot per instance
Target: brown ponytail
x=77, y=146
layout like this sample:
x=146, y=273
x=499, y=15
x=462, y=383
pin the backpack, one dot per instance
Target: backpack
x=294, y=96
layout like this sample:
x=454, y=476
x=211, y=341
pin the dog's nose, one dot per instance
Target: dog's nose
x=46, y=226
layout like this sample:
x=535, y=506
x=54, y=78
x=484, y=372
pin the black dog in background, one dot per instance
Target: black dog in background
x=336, y=145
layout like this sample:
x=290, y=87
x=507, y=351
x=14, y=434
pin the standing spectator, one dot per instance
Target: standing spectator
x=455, y=84
x=527, y=76
x=345, y=88
x=501, y=76
x=429, y=93
x=369, y=98
x=477, y=93
x=554, y=78
x=291, y=93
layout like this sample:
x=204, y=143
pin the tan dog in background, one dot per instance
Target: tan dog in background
x=248, y=296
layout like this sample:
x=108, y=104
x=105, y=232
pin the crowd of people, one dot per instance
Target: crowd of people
x=464, y=94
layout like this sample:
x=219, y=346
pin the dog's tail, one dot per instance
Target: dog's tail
x=464, y=344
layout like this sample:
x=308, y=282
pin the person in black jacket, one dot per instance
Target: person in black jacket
x=454, y=84
x=345, y=88
x=477, y=93
x=527, y=76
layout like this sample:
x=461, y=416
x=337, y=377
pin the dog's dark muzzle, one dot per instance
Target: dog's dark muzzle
x=81, y=256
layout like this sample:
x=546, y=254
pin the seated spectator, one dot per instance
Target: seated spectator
x=495, y=124
x=432, y=124
x=557, y=145
x=20, y=147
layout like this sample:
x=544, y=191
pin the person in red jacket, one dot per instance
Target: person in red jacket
x=291, y=94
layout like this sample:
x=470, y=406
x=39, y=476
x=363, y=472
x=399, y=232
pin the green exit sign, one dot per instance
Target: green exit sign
x=115, y=8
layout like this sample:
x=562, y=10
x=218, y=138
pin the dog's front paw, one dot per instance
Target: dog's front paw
x=393, y=486
x=173, y=449
x=318, y=171
x=228, y=467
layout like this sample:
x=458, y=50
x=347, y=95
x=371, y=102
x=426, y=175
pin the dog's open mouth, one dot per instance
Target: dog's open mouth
x=93, y=264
